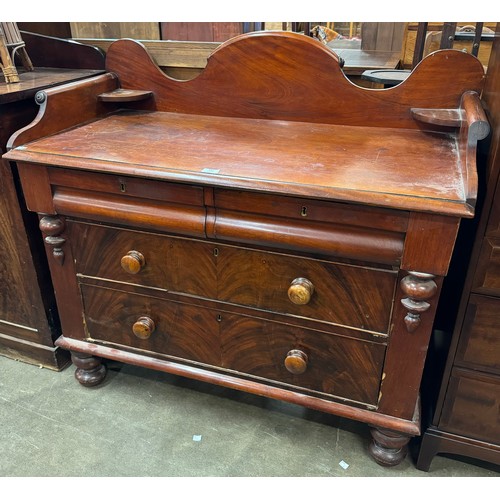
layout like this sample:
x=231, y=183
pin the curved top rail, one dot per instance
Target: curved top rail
x=288, y=76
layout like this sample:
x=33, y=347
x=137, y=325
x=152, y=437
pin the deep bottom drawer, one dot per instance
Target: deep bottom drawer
x=334, y=365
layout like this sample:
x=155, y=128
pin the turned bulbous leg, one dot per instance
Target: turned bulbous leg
x=388, y=448
x=89, y=369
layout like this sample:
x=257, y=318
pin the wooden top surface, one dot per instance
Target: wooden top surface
x=400, y=168
x=271, y=112
x=41, y=78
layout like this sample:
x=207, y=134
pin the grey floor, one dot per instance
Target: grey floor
x=141, y=423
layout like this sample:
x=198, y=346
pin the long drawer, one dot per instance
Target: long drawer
x=306, y=359
x=353, y=296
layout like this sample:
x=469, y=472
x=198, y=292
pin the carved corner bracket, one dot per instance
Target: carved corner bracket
x=418, y=288
x=52, y=226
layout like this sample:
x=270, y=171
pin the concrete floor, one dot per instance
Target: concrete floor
x=142, y=423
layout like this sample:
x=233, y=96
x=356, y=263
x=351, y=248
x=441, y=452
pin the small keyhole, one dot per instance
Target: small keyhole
x=219, y=318
x=216, y=252
x=123, y=188
x=303, y=212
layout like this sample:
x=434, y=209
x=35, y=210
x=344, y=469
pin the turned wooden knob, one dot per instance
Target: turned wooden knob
x=296, y=361
x=143, y=327
x=133, y=262
x=300, y=291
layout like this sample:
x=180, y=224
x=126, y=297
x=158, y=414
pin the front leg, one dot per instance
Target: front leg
x=89, y=369
x=388, y=448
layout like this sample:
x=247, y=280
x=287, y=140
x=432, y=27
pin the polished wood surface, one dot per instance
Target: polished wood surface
x=242, y=189
x=377, y=172
x=277, y=89
x=338, y=366
x=51, y=52
x=33, y=81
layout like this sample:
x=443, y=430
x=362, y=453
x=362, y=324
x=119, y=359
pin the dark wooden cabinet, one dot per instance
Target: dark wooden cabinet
x=267, y=226
x=467, y=417
x=29, y=321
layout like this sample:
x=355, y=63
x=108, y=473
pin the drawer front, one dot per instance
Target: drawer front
x=169, y=263
x=330, y=364
x=127, y=187
x=337, y=230
x=479, y=345
x=487, y=277
x=352, y=296
x=175, y=329
x=472, y=406
x=333, y=365
x=311, y=210
x=347, y=295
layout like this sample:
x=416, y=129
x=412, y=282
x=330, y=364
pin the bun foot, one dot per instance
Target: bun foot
x=89, y=369
x=388, y=448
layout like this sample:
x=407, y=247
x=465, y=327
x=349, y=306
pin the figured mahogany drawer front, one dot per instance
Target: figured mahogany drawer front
x=147, y=259
x=479, y=345
x=358, y=297
x=151, y=324
x=352, y=296
x=326, y=363
x=282, y=354
x=487, y=277
x=472, y=406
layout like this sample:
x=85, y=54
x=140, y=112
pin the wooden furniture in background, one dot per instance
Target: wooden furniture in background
x=176, y=31
x=467, y=416
x=431, y=40
x=384, y=37
x=181, y=60
x=56, y=30
x=187, y=59
x=427, y=42
x=138, y=31
x=29, y=321
x=200, y=32
x=267, y=226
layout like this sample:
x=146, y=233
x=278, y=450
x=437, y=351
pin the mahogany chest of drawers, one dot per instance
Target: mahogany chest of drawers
x=267, y=226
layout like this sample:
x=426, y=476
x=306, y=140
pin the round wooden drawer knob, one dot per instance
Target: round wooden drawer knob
x=133, y=262
x=296, y=361
x=143, y=327
x=300, y=291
